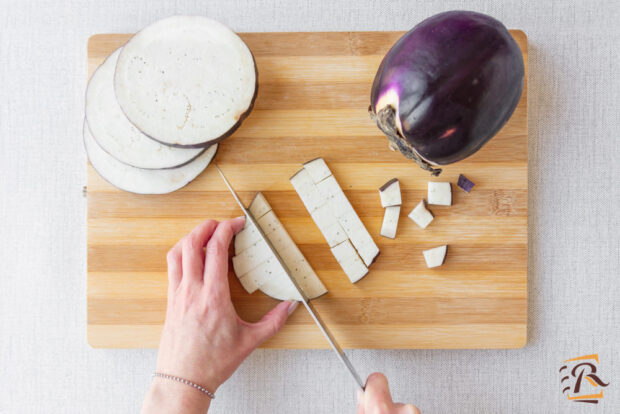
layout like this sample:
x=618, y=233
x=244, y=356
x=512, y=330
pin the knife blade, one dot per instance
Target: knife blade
x=304, y=299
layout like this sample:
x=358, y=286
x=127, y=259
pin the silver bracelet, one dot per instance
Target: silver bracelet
x=184, y=381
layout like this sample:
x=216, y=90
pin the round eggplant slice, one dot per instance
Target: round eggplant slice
x=141, y=181
x=186, y=81
x=119, y=137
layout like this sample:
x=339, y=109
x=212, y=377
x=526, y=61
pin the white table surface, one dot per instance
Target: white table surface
x=574, y=225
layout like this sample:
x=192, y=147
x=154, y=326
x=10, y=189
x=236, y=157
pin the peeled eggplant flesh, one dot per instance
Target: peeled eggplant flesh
x=119, y=137
x=257, y=268
x=186, y=81
x=390, y=221
x=421, y=216
x=439, y=193
x=390, y=193
x=141, y=181
x=435, y=257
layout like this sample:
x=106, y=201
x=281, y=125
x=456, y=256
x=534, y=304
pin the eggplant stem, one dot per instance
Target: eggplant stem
x=385, y=120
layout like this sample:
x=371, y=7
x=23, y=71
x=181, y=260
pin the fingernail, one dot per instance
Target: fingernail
x=360, y=394
x=293, y=305
x=240, y=217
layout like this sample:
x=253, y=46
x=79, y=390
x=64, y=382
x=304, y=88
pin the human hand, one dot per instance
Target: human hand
x=376, y=399
x=203, y=339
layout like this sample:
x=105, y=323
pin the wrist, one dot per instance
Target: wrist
x=171, y=396
x=201, y=373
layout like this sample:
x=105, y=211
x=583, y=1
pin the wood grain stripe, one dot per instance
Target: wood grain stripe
x=410, y=336
x=290, y=123
x=358, y=176
x=152, y=257
x=200, y=205
x=313, y=94
x=445, y=229
x=334, y=310
x=238, y=149
x=429, y=283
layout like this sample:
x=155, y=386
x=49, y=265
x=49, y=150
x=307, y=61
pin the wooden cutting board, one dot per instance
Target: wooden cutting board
x=312, y=102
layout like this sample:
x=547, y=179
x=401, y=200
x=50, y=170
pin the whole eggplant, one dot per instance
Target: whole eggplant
x=447, y=86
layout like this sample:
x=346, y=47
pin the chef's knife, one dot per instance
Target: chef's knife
x=304, y=299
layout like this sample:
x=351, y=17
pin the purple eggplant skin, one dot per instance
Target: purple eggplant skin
x=447, y=87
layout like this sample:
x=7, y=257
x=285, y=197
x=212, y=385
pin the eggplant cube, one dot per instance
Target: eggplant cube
x=280, y=239
x=349, y=261
x=251, y=257
x=420, y=215
x=354, y=269
x=335, y=197
x=359, y=236
x=255, y=278
x=329, y=187
x=439, y=193
x=246, y=237
x=259, y=206
x=269, y=223
x=390, y=221
x=317, y=169
x=329, y=226
x=307, y=191
x=390, y=193
x=278, y=285
x=435, y=257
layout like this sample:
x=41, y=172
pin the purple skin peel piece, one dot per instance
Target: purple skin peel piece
x=465, y=183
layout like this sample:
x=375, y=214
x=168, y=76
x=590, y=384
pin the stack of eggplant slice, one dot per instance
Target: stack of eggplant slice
x=158, y=106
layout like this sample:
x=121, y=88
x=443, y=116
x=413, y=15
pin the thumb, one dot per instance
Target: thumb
x=377, y=390
x=406, y=409
x=273, y=321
